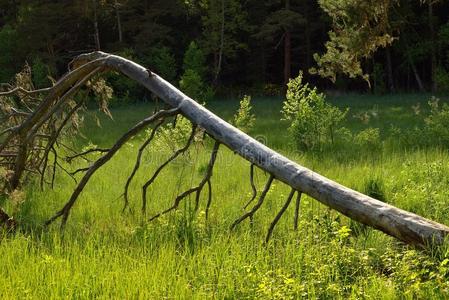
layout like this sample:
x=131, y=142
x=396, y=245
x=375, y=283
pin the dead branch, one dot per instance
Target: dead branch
x=19, y=89
x=64, y=212
x=297, y=204
x=198, y=189
x=138, y=161
x=92, y=150
x=279, y=215
x=253, y=186
x=258, y=204
x=16, y=137
x=161, y=167
x=209, y=198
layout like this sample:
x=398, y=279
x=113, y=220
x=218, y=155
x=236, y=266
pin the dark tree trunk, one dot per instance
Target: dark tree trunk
x=97, y=32
x=389, y=70
x=416, y=74
x=220, y=53
x=433, y=56
x=287, y=52
x=119, y=21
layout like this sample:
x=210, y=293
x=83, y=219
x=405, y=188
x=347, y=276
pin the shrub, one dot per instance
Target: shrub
x=173, y=135
x=437, y=122
x=313, y=121
x=369, y=138
x=244, y=119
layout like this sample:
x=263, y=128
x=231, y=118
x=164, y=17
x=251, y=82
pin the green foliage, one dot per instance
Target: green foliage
x=40, y=73
x=8, y=46
x=437, y=122
x=278, y=22
x=369, y=139
x=312, y=120
x=244, y=119
x=164, y=63
x=173, y=135
x=195, y=60
x=191, y=258
x=374, y=187
x=359, y=28
x=442, y=80
x=224, y=23
x=193, y=81
x=125, y=89
x=193, y=85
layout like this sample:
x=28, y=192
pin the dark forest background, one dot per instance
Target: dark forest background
x=246, y=46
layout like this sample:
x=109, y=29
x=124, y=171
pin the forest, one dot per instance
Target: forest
x=247, y=45
x=229, y=149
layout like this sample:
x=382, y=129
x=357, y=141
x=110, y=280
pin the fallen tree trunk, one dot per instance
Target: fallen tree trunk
x=405, y=226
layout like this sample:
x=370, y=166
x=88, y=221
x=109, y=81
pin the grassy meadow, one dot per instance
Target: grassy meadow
x=105, y=253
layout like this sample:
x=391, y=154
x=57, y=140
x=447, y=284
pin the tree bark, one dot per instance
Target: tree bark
x=119, y=21
x=220, y=52
x=433, y=56
x=97, y=31
x=416, y=74
x=405, y=226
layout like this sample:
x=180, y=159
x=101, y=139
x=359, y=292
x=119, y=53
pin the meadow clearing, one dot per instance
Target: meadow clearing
x=105, y=253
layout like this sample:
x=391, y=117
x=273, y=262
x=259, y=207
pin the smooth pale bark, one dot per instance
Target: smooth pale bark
x=405, y=226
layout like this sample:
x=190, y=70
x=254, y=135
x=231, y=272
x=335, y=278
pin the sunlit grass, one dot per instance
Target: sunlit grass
x=105, y=253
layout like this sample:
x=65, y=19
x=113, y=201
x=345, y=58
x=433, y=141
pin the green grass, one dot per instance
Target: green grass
x=106, y=254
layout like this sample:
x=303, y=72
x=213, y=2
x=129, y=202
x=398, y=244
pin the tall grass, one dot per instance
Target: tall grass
x=108, y=254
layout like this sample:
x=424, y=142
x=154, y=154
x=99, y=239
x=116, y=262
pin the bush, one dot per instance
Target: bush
x=244, y=119
x=313, y=121
x=173, y=135
x=369, y=138
x=437, y=122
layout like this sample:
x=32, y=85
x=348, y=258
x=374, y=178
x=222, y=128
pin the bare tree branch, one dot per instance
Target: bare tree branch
x=279, y=215
x=196, y=189
x=64, y=212
x=258, y=204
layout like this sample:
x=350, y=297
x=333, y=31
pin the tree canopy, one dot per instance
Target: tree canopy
x=247, y=44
